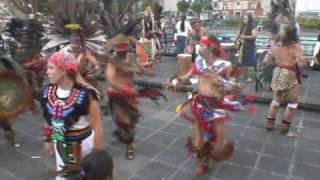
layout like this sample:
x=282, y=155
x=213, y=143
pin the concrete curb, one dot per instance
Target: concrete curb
x=259, y=100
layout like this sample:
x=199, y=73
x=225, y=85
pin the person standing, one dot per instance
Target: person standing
x=70, y=107
x=183, y=29
x=247, y=51
x=288, y=56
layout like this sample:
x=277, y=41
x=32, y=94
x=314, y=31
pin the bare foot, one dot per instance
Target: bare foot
x=201, y=170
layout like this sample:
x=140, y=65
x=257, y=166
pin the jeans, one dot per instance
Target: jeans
x=181, y=44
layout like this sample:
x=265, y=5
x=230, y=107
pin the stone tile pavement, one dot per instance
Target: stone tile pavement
x=161, y=152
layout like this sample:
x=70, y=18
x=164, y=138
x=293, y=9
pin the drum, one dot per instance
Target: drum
x=184, y=64
x=145, y=52
x=15, y=91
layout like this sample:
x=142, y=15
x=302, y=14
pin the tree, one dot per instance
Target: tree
x=197, y=7
x=183, y=6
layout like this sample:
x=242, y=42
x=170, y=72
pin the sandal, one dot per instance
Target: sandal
x=269, y=123
x=130, y=152
x=284, y=127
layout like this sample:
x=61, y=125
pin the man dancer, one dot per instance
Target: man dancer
x=288, y=57
x=123, y=103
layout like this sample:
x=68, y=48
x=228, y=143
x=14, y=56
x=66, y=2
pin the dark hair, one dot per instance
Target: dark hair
x=98, y=165
x=182, y=26
x=247, y=27
x=290, y=36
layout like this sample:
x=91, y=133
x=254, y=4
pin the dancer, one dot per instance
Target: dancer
x=71, y=110
x=209, y=105
x=120, y=71
x=197, y=32
x=288, y=57
x=88, y=64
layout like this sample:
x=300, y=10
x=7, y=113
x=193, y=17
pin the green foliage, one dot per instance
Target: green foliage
x=208, y=7
x=197, y=7
x=231, y=22
x=183, y=6
x=309, y=22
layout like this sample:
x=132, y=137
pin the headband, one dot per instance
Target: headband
x=64, y=60
x=214, y=45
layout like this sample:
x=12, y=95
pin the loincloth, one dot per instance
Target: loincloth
x=283, y=79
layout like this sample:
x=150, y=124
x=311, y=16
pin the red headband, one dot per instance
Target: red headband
x=64, y=60
x=209, y=42
x=121, y=47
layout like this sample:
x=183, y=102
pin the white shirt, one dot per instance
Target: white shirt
x=187, y=29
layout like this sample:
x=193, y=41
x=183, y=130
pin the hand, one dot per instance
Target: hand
x=48, y=148
x=173, y=83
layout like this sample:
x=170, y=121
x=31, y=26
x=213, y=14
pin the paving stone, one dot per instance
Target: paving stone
x=184, y=175
x=310, y=115
x=162, y=139
x=179, y=144
x=142, y=132
x=165, y=116
x=6, y=176
x=121, y=175
x=233, y=131
x=241, y=120
x=250, y=144
x=172, y=157
x=153, y=124
x=310, y=133
x=272, y=164
x=307, y=172
x=136, y=177
x=263, y=175
x=157, y=171
x=244, y=158
x=311, y=144
x=32, y=169
x=315, y=124
x=283, y=152
x=132, y=166
x=278, y=139
x=176, y=129
x=255, y=133
x=307, y=157
x=232, y=171
x=148, y=149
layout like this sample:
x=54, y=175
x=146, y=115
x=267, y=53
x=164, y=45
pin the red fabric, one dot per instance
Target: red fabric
x=64, y=60
x=121, y=47
x=46, y=132
x=290, y=68
x=251, y=98
x=194, y=69
x=215, y=45
x=40, y=66
x=124, y=94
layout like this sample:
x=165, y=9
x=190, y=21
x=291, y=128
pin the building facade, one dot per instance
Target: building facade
x=237, y=8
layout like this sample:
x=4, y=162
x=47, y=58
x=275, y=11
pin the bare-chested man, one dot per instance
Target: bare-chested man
x=120, y=71
x=288, y=57
x=88, y=63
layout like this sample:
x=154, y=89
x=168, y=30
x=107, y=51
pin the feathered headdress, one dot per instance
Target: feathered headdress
x=281, y=18
x=119, y=17
x=26, y=35
x=72, y=18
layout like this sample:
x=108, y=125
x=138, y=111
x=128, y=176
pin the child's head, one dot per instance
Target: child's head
x=98, y=165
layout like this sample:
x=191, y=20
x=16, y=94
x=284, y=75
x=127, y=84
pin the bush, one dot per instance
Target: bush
x=309, y=22
x=231, y=22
